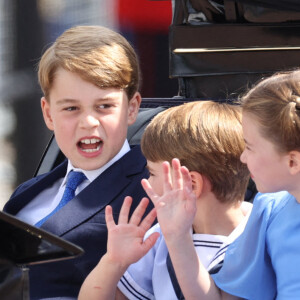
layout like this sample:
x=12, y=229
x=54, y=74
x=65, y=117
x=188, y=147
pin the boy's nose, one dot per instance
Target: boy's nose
x=89, y=121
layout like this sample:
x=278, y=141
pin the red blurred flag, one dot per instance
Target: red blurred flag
x=145, y=15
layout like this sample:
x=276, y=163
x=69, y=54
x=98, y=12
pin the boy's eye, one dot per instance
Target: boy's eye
x=70, y=108
x=104, y=106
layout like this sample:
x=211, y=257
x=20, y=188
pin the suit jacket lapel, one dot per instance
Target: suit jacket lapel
x=32, y=188
x=101, y=192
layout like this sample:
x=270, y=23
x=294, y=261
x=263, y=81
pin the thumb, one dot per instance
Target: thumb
x=150, y=241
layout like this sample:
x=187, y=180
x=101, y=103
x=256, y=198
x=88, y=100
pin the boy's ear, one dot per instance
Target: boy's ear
x=46, y=113
x=294, y=162
x=197, y=183
x=133, y=107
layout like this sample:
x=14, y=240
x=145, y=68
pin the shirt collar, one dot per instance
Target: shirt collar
x=93, y=174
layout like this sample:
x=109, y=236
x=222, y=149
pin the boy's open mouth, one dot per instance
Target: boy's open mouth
x=90, y=145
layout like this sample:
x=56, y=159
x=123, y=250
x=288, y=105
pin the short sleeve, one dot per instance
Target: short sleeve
x=247, y=271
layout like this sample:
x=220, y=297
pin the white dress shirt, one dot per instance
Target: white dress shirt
x=46, y=201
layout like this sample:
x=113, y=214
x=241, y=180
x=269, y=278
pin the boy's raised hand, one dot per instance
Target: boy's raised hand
x=125, y=243
x=176, y=208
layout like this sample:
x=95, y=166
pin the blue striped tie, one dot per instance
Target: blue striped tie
x=73, y=181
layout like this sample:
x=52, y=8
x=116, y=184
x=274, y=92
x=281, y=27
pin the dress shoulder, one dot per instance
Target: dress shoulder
x=247, y=263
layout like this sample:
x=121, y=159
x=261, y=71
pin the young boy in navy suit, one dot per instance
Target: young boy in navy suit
x=90, y=78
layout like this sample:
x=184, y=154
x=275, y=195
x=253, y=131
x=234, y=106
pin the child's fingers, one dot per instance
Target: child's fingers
x=109, y=217
x=177, y=176
x=139, y=212
x=149, y=190
x=148, y=220
x=124, y=212
x=167, y=176
x=186, y=178
x=150, y=241
x=188, y=188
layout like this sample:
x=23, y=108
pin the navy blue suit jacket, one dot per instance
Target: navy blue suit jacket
x=81, y=221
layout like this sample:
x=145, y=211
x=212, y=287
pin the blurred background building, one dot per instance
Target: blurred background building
x=27, y=28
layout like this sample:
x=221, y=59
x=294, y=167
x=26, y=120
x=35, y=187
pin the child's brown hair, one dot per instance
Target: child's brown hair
x=275, y=104
x=97, y=54
x=207, y=137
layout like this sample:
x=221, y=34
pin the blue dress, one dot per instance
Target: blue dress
x=264, y=262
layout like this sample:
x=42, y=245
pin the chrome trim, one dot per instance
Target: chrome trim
x=212, y=50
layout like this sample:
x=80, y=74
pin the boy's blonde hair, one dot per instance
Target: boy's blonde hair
x=97, y=54
x=207, y=137
x=275, y=104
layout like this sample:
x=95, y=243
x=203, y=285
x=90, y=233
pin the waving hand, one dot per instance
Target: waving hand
x=125, y=240
x=176, y=207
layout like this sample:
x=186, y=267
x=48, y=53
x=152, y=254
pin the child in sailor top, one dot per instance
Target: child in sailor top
x=264, y=261
x=207, y=137
x=153, y=276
